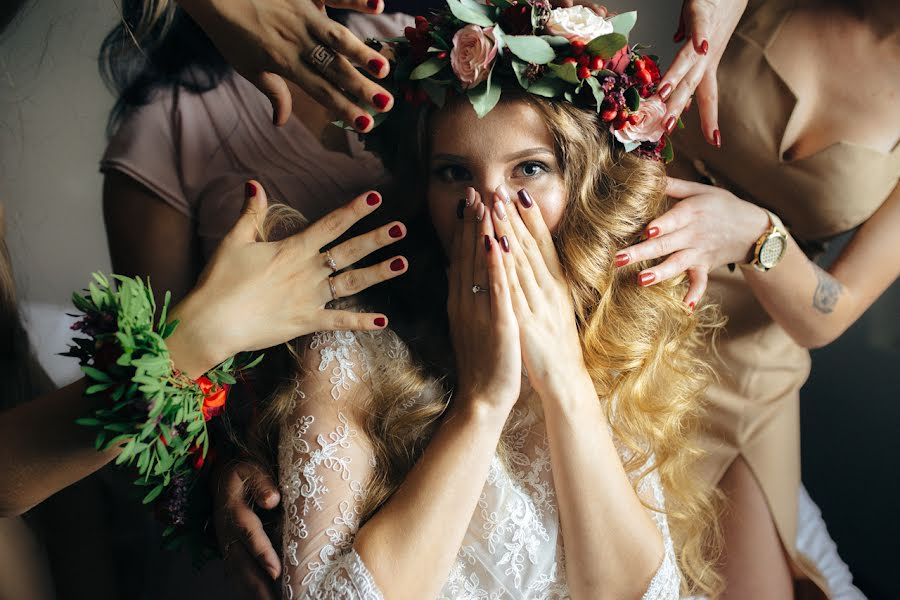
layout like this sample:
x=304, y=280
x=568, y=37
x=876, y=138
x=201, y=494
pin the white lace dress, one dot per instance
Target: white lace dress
x=513, y=547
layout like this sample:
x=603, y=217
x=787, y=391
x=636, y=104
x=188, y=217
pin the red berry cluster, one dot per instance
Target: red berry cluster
x=585, y=63
x=419, y=38
x=646, y=75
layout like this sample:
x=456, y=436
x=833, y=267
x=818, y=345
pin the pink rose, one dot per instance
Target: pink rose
x=649, y=126
x=620, y=61
x=473, y=52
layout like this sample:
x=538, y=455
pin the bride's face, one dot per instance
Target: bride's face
x=511, y=146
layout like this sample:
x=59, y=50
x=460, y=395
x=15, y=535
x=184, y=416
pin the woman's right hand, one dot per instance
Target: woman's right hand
x=255, y=295
x=483, y=328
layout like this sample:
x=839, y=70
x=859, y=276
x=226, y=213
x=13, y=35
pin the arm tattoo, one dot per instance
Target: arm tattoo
x=828, y=291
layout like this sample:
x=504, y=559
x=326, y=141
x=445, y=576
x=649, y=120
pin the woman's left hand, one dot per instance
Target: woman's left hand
x=708, y=228
x=541, y=297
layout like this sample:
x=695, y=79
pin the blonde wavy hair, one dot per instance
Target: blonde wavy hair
x=641, y=346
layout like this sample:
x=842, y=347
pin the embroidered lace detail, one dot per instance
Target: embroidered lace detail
x=335, y=347
x=349, y=579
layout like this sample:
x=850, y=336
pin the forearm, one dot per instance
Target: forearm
x=409, y=546
x=613, y=547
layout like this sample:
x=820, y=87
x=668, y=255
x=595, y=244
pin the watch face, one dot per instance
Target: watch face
x=772, y=250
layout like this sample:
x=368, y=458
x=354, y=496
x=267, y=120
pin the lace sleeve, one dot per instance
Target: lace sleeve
x=324, y=462
x=666, y=582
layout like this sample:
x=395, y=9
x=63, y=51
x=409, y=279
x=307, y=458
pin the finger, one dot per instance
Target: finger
x=372, y=7
x=348, y=320
x=537, y=227
x=479, y=268
x=261, y=489
x=247, y=574
x=354, y=281
x=501, y=303
x=698, y=278
x=681, y=188
x=519, y=274
x=276, y=90
x=345, y=76
x=698, y=26
x=330, y=96
x=684, y=61
x=682, y=94
x=341, y=40
x=351, y=251
x=655, y=247
x=708, y=106
x=465, y=215
x=527, y=249
x=334, y=224
x=673, y=266
x=253, y=214
x=251, y=535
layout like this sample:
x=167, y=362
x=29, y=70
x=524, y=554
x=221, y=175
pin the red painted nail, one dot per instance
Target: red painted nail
x=397, y=264
x=652, y=232
x=362, y=122
x=704, y=47
x=250, y=189
x=665, y=91
x=717, y=138
x=646, y=278
x=380, y=321
x=372, y=199
x=381, y=100
x=691, y=306
x=670, y=123
x=372, y=4
x=376, y=66
x=622, y=259
x=487, y=243
x=678, y=37
x=395, y=231
x=504, y=243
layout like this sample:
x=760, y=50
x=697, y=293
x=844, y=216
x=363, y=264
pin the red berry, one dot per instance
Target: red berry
x=410, y=33
x=577, y=47
x=583, y=72
x=421, y=25
x=644, y=76
x=639, y=64
x=608, y=114
x=442, y=54
x=623, y=115
x=634, y=119
x=584, y=60
x=570, y=60
x=597, y=63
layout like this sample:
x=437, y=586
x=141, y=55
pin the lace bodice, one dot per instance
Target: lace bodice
x=513, y=547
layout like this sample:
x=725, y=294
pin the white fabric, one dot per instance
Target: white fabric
x=513, y=546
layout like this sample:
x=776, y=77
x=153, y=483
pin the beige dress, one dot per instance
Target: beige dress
x=754, y=409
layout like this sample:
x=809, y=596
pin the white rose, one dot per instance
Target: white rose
x=577, y=23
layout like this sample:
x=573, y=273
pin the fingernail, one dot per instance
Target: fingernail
x=622, y=259
x=704, y=47
x=717, y=138
x=362, y=122
x=646, y=278
x=487, y=243
x=670, y=124
x=372, y=4
x=380, y=321
x=372, y=199
x=397, y=264
x=460, y=209
x=250, y=189
x=652, y=232
x=504, y=243
x=479, y=212
x=500, y=211
x=503, y=193
x=691, y=306
x=470, y=196
x=665, y=91
x=375, y=66
x=678, y=37
x=525, y=198
x=395, y=232
x=381, y=100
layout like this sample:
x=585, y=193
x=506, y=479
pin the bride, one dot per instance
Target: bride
x=523, y=430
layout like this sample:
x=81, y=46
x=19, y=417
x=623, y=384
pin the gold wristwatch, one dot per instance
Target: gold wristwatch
x=771, y=246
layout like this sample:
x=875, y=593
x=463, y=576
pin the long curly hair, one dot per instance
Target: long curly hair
x=641, y=346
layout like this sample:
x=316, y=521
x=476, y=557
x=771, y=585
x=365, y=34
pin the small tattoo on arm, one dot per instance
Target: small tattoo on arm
x=827, y=292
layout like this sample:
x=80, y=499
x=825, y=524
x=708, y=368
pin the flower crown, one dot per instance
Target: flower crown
x=571, y=54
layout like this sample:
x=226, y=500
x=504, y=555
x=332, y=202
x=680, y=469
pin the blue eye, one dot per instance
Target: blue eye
x=532, y=169
x=453, y=173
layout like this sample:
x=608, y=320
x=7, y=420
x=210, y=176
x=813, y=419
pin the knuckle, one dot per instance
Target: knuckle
x=335, y=37
x=348, y=283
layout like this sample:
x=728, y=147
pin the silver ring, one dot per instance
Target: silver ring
x=329, y=261
x=334, y=295
x=321, y=58
x=477, y=289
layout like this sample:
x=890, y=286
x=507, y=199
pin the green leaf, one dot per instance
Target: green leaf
x=557, y=41
x=428, y=68
x=622, y=23
x=468, y=13
x=519, y=68
x=632, y=99
x=87, y=422
x=438, y=41
x=153, y=494
x=599, y=95
x=98, y=387
x=607, y=45
x=437, y=94
x=530, y=48
x=629, y=146
x=566, y=72
x=484, y=97
x=549, y=87
x=667, y=153
x=96, y=374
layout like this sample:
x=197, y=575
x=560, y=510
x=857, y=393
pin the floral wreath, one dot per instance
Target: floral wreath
x=572, y=54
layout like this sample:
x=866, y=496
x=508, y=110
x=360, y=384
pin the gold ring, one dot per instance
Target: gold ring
x=321, y=58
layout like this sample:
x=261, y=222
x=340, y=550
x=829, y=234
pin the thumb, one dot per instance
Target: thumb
x=253, y=214
x=276, y=90
x=262, y=489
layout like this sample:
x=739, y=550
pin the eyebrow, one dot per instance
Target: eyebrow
x=508, y=157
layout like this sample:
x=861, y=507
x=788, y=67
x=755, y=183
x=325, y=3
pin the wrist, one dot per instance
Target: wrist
x=566, y=389
x=479, y=411
x=757, y=226
x=196, y=345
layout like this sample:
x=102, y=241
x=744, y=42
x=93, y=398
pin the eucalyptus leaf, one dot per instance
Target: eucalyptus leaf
x=607, y=45
x=623, y=23
x=599, y=95
x=632, y=99
x=566, y=72
x=530, y=48
x=428, y=68
x=549, y=87
x=629, y=146
x=557, y=41
x=484, y=97
x=667, y=153
x=437, y=94
x=519, y=69
x=476, y=15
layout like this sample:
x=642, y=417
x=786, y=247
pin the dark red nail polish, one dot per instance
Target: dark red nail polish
x=525, y=198
x=362, y=122
x=372, y=4
x=646, y=278
x=622, y=259
x=375, y=66
x=665, y=91
x=717, y=138
x=691, y=306
x=372, y=199
x=460, y=208
x=397, y=264
x=704, y=47
x=487, y=243
x=670, y=124
x=250, y=189
x=395, y=231
x=652, y=232
x=380, y=321
x=381, y=100
x=504, y=243
x=678, y=37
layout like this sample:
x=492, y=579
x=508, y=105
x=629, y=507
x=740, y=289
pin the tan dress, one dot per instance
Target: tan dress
x=754, y=409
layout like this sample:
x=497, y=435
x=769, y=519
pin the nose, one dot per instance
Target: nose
x=494, y=188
